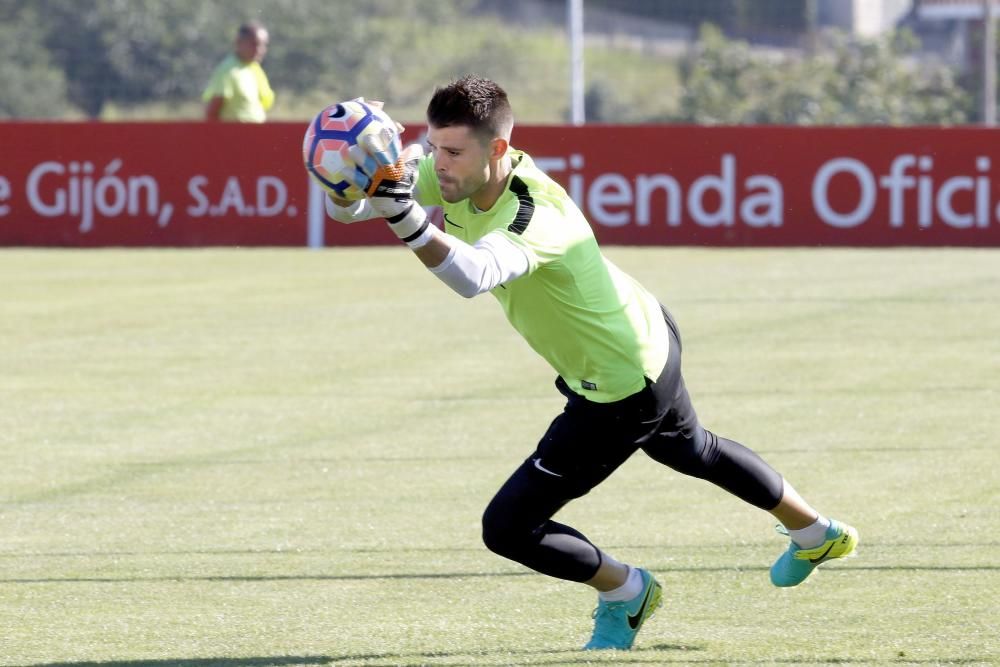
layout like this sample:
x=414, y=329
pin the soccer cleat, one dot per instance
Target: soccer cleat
x=793, y=566
x=617, y=623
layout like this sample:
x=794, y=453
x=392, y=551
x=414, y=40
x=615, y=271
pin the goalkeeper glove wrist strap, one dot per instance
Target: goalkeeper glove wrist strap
x=412, y=226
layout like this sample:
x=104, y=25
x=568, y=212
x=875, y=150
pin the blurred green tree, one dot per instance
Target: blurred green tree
x=141, y=50
x=845, y=82
x=90, y=57
x=34, y=84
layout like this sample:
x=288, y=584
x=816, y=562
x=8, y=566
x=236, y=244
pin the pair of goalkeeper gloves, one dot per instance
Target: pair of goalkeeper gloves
x=388, y=177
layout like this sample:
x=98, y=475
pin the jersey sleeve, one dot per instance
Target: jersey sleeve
x=474, y=269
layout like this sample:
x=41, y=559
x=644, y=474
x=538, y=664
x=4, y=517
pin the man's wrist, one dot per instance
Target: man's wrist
x=423, y=238
x=411, y=225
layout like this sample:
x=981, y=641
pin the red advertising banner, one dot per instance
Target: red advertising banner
x=198, y=184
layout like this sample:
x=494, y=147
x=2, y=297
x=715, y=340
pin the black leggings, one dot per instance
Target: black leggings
x=587, y=442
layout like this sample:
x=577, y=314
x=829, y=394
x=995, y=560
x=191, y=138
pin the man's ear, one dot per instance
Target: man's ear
x=498, y=148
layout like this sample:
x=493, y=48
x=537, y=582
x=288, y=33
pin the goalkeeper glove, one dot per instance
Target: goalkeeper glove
x=389, y=188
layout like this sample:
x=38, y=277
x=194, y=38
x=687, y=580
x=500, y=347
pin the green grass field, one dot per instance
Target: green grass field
x=280, y=457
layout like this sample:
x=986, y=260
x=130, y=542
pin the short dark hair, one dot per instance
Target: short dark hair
x=250, y=29
x=474, y=101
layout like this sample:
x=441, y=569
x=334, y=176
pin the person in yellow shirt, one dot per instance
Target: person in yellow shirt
x=239, y=90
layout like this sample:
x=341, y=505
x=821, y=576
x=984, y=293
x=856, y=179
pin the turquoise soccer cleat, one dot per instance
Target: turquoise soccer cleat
x=617, y=623
x=793, y=566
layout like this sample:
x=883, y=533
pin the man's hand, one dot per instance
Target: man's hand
x=390, y=184
x=339, y=201
x=388, y=178
x=348, y=212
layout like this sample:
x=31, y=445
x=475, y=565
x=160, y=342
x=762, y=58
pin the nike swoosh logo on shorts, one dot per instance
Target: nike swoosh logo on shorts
x=538, y=464
x=635, y=619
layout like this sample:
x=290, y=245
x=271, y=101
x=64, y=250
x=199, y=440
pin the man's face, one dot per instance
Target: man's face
x=252, y=46
x=461, y=161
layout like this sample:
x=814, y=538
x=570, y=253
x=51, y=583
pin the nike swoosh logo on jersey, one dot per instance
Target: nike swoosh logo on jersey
x=635, y=620
x=452, y=223
x=820, y=559
x=538, y=464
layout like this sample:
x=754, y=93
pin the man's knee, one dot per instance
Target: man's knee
x=684, y=452
x=500, y=532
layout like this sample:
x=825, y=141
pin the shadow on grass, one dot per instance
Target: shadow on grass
x=388, y=659
x=868, y=544
x=263, y=578
x=457, y=575
x=683, y=654
x=647, y=655
x=654, y=654
x=273, y=661
x=638, y=655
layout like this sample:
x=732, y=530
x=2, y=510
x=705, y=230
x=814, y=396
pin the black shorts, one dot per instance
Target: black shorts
x=589, y=440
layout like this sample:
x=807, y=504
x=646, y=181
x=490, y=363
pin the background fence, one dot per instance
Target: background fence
x=800, y=62
x=131, y=184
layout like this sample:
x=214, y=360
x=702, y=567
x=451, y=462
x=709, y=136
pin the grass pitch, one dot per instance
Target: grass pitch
x=255, y=457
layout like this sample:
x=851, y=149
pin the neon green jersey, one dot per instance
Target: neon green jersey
x=595, y=325
x=244, y=89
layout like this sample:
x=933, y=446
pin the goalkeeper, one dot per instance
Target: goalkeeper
x=512, y=231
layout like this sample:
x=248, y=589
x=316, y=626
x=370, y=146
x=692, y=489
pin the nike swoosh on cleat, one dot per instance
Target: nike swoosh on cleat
x=634, y=621
x=820, y=559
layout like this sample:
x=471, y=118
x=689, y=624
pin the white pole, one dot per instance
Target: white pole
x=316, y=216
x=574, y=12
x=989, y=65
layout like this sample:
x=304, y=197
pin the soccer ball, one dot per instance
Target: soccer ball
x=333, y=131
